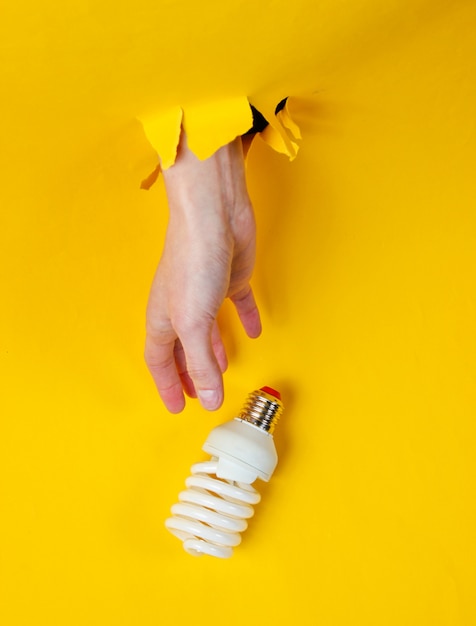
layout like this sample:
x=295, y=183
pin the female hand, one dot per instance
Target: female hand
x=208, y=255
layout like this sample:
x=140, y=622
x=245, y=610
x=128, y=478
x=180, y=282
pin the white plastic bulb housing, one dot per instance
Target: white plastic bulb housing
x=244, y=451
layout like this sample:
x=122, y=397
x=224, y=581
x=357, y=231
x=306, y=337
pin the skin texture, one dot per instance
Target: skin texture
x=208, y=255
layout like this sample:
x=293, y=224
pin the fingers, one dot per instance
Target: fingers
x=205, y=361
x=181, y=364
x=181, y=361
x=160, y=359
x=219, y=348
x=248, y=313
x=196, y=369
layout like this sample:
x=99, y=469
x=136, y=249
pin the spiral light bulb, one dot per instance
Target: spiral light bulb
x=213, y=510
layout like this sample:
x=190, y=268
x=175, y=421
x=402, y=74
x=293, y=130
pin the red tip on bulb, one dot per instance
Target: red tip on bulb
x=272, y=392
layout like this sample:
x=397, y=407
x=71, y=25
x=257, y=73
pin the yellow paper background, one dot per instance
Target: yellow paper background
x=366, y=282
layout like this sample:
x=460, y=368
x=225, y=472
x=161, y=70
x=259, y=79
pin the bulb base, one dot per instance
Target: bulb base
x=263, y=409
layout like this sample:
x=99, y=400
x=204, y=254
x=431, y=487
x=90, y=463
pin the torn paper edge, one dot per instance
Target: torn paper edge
x=282, y=134
x=210, y=126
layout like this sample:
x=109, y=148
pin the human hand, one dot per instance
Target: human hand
x=208, y=255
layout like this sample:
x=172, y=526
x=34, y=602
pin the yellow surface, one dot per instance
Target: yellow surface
x=366, y=282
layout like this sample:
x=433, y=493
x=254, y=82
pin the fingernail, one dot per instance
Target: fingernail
x=209, y=398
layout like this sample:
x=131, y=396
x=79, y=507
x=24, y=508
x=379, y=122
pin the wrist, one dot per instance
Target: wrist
x=211, y=190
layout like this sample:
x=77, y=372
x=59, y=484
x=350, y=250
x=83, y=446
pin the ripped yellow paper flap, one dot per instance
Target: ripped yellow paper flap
x=210, y=125
x=286, y=120
x=163, y=132
x=282, y=133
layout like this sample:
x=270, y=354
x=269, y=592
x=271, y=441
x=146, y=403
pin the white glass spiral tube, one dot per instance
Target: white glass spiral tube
x=211, y=512
x=214, y=509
